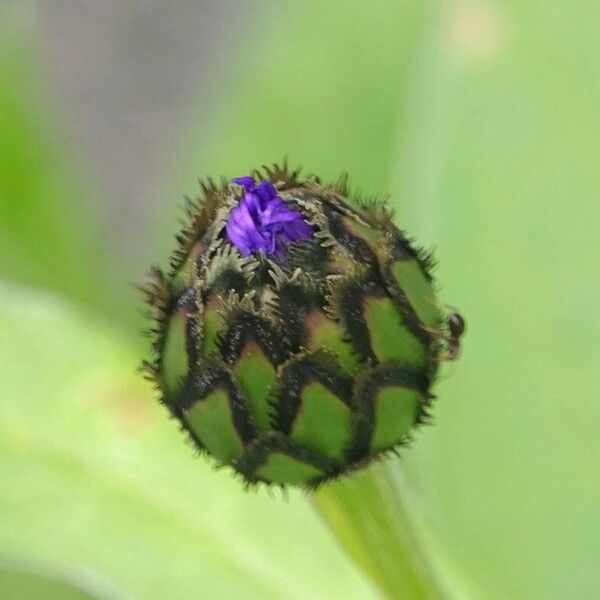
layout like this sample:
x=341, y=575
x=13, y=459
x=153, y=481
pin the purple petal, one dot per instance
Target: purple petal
x=252, y=202
x=264, y=222
x=279, y=211
x=298, y=230
x=247, y=182
x=266, y=192
x=238, y=237
x=242, y=230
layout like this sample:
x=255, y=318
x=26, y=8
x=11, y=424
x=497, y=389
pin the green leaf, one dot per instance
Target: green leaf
x=96, y=477
x=26, y=581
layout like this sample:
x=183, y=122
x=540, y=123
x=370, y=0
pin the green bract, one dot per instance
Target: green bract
x=297, y=369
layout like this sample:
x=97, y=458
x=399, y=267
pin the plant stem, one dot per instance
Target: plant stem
x=370, y=515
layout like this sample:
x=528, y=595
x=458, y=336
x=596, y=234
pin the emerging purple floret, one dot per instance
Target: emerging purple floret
x=263, y=222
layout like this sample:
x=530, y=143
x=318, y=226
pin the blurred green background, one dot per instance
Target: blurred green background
x=481, y=119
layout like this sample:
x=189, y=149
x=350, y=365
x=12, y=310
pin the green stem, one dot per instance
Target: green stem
x=370, y=515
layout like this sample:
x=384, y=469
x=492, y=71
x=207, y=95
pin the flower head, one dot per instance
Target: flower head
x=264, y=222
x=309, y=365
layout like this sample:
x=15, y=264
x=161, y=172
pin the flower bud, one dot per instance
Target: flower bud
x=297, y=334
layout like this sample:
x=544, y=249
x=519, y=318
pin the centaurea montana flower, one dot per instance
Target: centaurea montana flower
x=297, y=334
